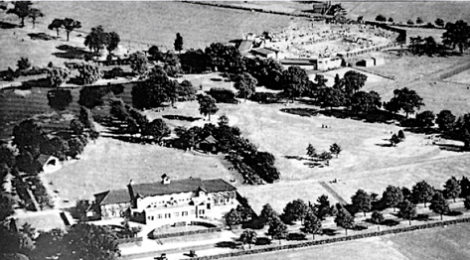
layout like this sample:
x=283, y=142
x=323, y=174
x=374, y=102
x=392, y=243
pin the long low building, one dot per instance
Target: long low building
x=167, y=202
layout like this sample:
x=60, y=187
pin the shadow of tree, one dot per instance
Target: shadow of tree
x=41, y=36
x=182, y=118
x=71, y=52
x=6, y=25
x=329, y=232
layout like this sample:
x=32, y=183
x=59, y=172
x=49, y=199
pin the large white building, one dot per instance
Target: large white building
x=167, y=202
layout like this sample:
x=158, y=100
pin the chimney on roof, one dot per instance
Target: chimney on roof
x=165, y=179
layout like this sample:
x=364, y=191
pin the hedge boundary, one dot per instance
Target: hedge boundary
x=337, y=239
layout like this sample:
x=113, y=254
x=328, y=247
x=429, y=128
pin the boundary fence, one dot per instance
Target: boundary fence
x=337, y=239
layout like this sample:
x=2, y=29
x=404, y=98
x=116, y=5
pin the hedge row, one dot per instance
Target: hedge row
x=186, y=233
x=336, y=239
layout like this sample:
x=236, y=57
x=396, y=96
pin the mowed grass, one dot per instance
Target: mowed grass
x=366, y=161
x=433, y=244
x=110, y=164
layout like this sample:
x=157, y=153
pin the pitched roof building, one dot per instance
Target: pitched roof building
x=167, y=202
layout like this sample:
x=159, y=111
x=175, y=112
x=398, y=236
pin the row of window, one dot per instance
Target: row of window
x=168, y=215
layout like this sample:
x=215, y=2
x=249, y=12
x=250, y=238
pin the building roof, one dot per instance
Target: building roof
x=263, y=51
x=43, y=158
x=209, y=140
x=245, y=46
x=158, y=188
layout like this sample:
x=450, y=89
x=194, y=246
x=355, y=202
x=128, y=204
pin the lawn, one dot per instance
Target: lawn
x=110, y=164
x=366, y=161
x=438, y=243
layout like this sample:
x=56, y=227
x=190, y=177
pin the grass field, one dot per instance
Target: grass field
x=432, y=244
x=110, y=164
x=366, y=161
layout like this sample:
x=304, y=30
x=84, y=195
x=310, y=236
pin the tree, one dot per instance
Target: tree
x=185, y=91
x=410, y=22
x=155, y=53
x=34, y=14
x=312, y=224
x=88, y=74
x=439, y=204
x=377, y=217
x=419, y=20
x=422, y=192
x=446, y=121
x=76, y=147
x=406, y=100
x=456, y=34
x=390, y=20
x=23, y=64
x=138, y=62
x=268, y=72
x=362, y=201
x=178, y=43
x=353, y=81
x=331, y=97
x=325, y=156
x=394, y=140
x=7, y=156
x=464, y=187
x=49, y=244
x=344, y=219
x=77, y=127
x=277, y=229
x=28, y=136
x=466, y=202
x=335, y=149
x=154, y=91
x=294, y=81
x=311, y=151
x=56, y=24
x=96, y=39
x=157, y=129
x=248, y=237
x=22, y=9
x=323, y=207
x=363, y=102
x=246, y=85
x=452, y=188
x=207, y=106
x=25, y=162
x=294, y=210
x=55, y=146
x=113, y=41
x=85, y=241
x=439, y=22
x=380, y=18
x=6, y=206
x=56, y=76
x=425, y=119
x=407, y=210
x=69, y=25
x=268, y=214
x=401, y=134
x=392, y=196
x=233, y=218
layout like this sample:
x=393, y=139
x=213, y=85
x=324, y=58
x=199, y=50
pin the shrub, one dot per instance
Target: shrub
x=23, y=64
x=223, y=95
x=380, y=18
x=88, y=74
x=401, y=134
x=377, y=217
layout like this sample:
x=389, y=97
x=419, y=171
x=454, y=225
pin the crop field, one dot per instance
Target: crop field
x=421, y=73
x=441, y=243
x=401, y=11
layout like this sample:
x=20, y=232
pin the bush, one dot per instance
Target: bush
x=377, y=217
x=296, y=236
x=88, y=74
x=401, y=134
x=23, y=64
x=380, y=18
x=223, y=95
x=114, y=73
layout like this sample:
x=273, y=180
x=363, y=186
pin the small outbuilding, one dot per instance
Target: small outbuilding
x=367, y=62
x=49, y=163
x=208, y=144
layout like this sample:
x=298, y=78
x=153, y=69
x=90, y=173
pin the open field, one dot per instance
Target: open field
x=110, y=164
x=421, y=73
x=366, y=161
x=438, y=243
x=157, y=23
x=401, y=11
